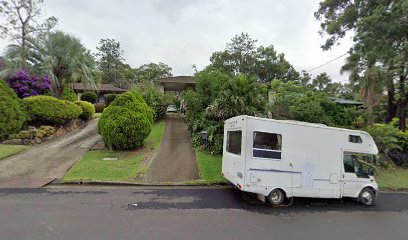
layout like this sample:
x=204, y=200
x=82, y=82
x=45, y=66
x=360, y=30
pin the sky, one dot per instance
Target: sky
x=181, y=33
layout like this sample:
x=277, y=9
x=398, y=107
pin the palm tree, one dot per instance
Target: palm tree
x=66, y=60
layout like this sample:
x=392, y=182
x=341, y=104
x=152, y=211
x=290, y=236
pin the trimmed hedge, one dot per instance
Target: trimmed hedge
x=12, y=116
x=69, y=94
x=109, y=98
x=89, y=97
x=88, y=109
x=48, y=109
x=126, y=123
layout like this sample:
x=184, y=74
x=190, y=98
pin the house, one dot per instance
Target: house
x=100, y=89
x=175, y=84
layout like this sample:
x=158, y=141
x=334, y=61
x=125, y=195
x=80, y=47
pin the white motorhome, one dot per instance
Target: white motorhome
x=281, y=158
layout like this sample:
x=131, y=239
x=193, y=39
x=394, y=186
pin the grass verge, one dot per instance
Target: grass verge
x=8, y=150
x=395, y=179
x=92, y=167
x=210, y=168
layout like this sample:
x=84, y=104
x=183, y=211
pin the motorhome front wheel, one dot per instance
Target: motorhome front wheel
x=276, y=197
x=367, y=197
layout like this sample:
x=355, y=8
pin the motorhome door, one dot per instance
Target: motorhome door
x=355, y=174
x=234, y=154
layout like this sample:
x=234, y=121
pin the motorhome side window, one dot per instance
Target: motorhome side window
x=267, y=145
x=234, y=140
x=355, y=139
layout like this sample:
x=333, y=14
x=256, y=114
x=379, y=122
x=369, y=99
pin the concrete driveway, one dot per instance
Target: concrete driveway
x=175, y=161
x=53, y=159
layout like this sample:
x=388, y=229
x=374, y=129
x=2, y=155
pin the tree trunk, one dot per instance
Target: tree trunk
x=391, y=105
x=402, y=102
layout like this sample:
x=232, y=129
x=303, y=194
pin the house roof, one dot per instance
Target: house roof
x=178, y=79
x=345, y=101
x=99, y=87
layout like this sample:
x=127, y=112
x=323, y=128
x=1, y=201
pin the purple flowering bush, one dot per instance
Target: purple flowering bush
x=26, y=84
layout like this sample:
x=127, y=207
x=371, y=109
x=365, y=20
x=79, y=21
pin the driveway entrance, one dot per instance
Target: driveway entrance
x=175, y=161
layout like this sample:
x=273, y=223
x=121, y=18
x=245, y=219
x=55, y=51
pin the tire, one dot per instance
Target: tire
x=367, y=197
x=276, y=197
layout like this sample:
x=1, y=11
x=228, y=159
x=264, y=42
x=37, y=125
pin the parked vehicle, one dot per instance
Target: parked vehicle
x=278, y=159
x=171, y=108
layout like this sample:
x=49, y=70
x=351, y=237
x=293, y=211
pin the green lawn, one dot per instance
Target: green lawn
x=210, y=168
x=396, y=179
x=92, y=167
x=8, y=150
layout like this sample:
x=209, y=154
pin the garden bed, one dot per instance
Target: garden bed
x=38, y=135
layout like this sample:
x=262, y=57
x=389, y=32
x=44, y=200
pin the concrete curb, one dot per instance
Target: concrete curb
x=127, y=184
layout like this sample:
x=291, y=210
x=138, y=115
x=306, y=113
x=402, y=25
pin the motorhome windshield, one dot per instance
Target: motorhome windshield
x=359, y=163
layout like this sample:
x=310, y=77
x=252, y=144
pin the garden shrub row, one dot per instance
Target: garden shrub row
x=88, y=109
x=12, y=116
x=51, y=110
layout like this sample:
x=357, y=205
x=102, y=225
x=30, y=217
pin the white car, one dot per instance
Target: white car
x=171, y=108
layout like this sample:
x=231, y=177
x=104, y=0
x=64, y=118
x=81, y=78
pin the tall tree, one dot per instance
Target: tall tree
x=151, y=71
x=22, y=25
x=242, y=56
x=110, y=58
x=321, y=81
x=67, y=61
x=380, y=30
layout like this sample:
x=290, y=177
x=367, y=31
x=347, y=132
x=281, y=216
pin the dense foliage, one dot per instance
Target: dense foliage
x=26, y=84
x=109, y=98
x=89, y=97
x=217, y=98
x=88, y=109
x=47, y=109
x=291, y=100
x=12, y=117
x=126, y=123
x=153, y=98
x=391, y=142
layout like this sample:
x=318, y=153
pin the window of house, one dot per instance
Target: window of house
x=355, y=139
x=267, y=145
x=234, y=140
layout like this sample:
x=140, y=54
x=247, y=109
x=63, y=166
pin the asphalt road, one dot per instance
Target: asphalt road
x=191, y=213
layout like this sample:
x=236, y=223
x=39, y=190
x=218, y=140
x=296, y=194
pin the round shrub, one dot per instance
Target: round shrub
x=88, y=109
x=12, y=116
x=89, y=97
x=47, y=109
x=109, y=98
x=99, y=107
x=126, y=123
